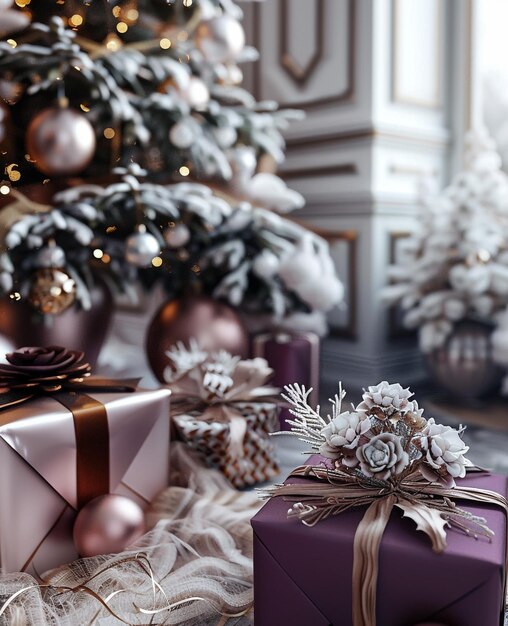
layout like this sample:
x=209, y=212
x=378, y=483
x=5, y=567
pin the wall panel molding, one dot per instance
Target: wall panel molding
x=301, y=75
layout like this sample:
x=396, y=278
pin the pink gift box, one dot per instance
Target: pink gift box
x=38, y=477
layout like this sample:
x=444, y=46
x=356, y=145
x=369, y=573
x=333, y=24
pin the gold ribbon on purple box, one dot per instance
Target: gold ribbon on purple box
x=380, y=455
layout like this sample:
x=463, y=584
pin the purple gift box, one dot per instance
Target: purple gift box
x=294, y=358
x=302, y=575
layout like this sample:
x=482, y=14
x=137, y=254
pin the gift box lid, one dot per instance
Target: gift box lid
x=414, y=583
x=42, y=432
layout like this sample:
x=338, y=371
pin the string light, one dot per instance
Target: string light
x=132, y=15
x=113, y=42
x=187, y=3
x=184, y=170
x=84, y=107
x=106, y=258
x=165, y=43
x=15, y=295
x=122, y=27
x=22, y=3
x=116, y=11
x=157, y=261
x=5, y=189
x=98, y=253
x=109, y=133
x=12, y=42
x=110, y=229
x=76, y=20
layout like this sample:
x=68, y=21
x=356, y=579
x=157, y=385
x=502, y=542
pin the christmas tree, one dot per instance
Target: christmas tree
x=146, y=160
x=455, y=266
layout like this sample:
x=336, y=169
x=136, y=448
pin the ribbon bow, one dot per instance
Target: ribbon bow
x=60, y=373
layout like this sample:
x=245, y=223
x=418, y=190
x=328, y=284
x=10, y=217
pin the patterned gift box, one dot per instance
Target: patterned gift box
x=223, y=409
x=256, y=463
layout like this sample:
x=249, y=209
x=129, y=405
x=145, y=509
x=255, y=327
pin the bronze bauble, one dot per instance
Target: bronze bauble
x=52, y=292
x=75, y=328
x=464, y=366
x=213, y=324
x=107, y=524
x=61, y=141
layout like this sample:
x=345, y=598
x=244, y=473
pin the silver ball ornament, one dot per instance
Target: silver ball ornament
x=61, y=141
x=196, y=94
x=220, y=39
x=12, y=21
x=107, y=524
x=141, y=248
x=225, y=136
x=181, y=135
x=234, y=75
x=177, y=236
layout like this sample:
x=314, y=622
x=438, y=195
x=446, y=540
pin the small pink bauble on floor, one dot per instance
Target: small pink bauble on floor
x=107, y=524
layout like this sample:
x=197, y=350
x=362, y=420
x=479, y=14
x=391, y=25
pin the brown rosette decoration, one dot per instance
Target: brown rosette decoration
x=34, y=371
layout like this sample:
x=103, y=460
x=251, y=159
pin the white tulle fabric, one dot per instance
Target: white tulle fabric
x=200, y=546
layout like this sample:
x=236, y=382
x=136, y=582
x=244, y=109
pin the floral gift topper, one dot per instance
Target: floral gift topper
x=387, y=438
x=380, y=454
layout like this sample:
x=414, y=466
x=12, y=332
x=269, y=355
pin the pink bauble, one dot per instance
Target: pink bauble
x=61, y=141
x=214, y=325
x=107, y=524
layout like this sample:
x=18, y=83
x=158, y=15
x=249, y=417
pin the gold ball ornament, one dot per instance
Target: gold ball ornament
x=52, y=292
x=220, y=39
x=61, y=141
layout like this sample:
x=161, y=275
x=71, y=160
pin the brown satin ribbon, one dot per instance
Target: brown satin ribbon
x=92, y=444
x=91, y=429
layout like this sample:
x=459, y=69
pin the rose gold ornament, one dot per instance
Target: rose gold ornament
x=107, y=524
x=220, y=39
x=61, y=141
x=213, y=324
x=52, y=292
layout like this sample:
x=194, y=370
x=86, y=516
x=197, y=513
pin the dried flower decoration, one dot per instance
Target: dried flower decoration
x=380, y=455
x=385, y=437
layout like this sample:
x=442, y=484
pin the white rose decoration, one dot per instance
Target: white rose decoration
x=343, y=433
x=443, y=451
x=382, y=457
